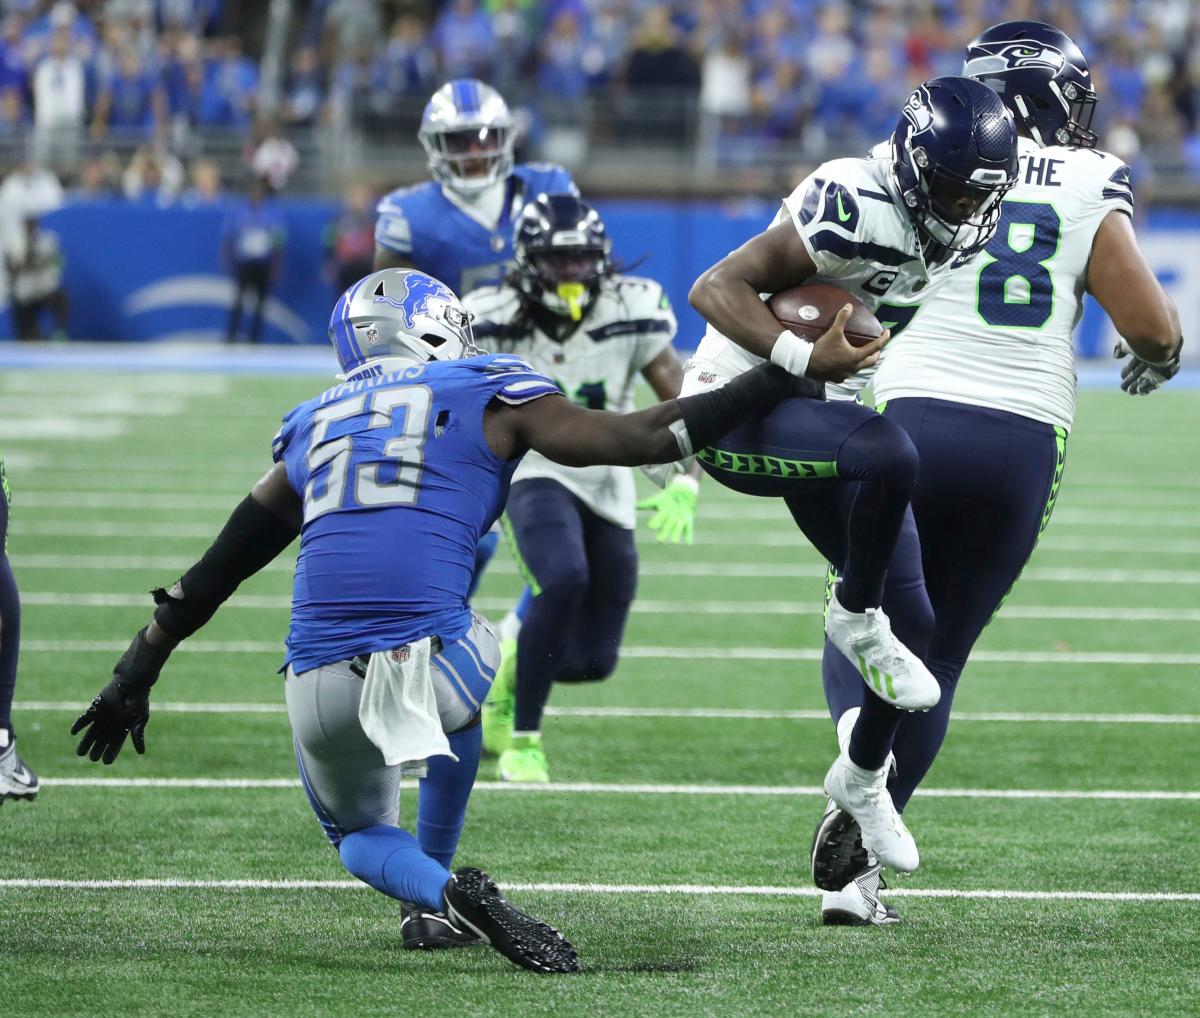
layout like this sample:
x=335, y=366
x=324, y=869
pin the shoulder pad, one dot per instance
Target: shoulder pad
x=640, y=293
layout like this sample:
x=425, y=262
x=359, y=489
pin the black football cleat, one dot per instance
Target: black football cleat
x=474, y=903
x=425, y=929
x=837, y=849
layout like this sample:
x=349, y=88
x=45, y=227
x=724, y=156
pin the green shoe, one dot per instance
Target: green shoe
x=525, y=762
x=500, y=706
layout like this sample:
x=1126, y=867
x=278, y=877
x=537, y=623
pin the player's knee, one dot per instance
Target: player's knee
x=595, y=666
x=565, y=582
x=882, y=449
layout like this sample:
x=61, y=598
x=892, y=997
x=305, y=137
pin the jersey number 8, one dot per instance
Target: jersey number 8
x=378, y=481
x=1016, y=289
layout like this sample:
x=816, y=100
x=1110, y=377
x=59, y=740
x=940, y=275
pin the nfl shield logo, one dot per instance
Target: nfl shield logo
x=400, y=654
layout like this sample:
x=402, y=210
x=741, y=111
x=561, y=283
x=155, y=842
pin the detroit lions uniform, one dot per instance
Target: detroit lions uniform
x=629, y=323
x=425, y=227
x=983, y=382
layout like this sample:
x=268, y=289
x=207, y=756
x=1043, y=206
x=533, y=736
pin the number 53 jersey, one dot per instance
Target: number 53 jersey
x=398, y=484
x=998, y=332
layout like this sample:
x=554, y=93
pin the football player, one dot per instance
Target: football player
x=983, y=382
x=390, y=477
x=885, y=230
x=458, y=226
x=567, y=312
x=17, y=781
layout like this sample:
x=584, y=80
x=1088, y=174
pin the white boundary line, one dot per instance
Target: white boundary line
x=1012, y=657
x=723, y=570
x=618, y=788
x=750, y=890
x=282, y=602
x=685, y=713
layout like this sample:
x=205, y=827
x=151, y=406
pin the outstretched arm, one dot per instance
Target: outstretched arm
x=265, y=523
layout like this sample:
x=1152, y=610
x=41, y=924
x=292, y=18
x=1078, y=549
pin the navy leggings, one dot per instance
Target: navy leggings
x=985, y=490
x=582, y=570
x=10, y=613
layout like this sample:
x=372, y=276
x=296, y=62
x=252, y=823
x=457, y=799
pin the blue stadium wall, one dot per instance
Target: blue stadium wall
x=142, y=273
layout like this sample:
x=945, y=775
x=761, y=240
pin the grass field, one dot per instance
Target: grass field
x=1061, y=862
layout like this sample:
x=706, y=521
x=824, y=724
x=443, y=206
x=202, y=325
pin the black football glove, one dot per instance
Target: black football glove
x=121, y=708
x=1139, y=377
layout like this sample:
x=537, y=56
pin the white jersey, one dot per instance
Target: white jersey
x=860, y=237
x=998, y=334
x=624, y=328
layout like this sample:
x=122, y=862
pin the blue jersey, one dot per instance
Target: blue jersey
x=427, y=229
x=398, y=484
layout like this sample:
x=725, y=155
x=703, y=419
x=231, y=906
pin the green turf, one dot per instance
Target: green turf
x=187, y=453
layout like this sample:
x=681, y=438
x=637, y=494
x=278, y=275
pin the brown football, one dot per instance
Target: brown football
x=809, y=310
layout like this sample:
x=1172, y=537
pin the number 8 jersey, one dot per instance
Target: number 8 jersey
x=399, y=484
x=998, y=333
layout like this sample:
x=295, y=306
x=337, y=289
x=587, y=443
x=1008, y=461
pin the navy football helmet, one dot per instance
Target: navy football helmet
x=954, y=157
x=1041, y=76
x=562, y=253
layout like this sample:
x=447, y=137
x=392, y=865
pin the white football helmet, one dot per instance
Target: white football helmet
x=399, y=314
x=467, y=132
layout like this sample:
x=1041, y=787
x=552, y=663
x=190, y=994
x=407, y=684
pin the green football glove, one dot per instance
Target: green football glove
x=674, y=510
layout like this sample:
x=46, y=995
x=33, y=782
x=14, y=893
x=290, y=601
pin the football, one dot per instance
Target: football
x=809, y=310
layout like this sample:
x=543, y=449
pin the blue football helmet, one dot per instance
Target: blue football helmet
x=467, y=133
x=401, y=315
x=562, y=251
x=954, y=157
x=1041, y=76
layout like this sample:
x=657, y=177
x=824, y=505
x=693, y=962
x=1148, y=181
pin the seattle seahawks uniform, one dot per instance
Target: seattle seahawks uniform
x=860, y=237
x=627, y=325
x=999, y=333
x=17, y=781
x=426, y=227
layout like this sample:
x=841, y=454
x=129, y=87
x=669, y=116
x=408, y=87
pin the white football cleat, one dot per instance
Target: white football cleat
x=858, y=904
x=893, y=671
x=864, y=795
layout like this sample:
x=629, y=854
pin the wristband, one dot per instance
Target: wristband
x=686, y=481
x=791, y=353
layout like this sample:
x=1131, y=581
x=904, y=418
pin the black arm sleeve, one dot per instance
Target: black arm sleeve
x=709, y=415
x=252, y=537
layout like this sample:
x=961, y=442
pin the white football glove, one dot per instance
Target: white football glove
x=1141, y=377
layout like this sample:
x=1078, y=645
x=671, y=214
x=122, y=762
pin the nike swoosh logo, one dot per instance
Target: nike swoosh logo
x=843, y=215
x=22, y=774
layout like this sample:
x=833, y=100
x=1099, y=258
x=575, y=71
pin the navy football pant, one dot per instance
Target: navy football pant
x=582, y=570
x=985, y=490
x=10, y=614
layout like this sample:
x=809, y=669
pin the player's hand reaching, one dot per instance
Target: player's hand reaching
x=674, y=510
x=1140, y=377
x=834, y=358
x=122, y=707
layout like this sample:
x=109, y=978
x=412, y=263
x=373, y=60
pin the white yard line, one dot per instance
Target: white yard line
x=618, y=788
x=711, y=570
x=748, y=890
x=281, y=602
x=719, y=713
x=1017, y=657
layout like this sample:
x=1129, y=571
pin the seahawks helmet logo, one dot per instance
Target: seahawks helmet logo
x=1011, y=56
x=917, y=110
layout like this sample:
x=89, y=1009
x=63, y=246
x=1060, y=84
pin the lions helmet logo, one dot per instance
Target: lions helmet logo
x=1011, y=56
x=917, y=110
x=419, y=291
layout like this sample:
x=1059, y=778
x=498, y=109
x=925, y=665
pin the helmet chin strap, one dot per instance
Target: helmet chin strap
x=1027, y=121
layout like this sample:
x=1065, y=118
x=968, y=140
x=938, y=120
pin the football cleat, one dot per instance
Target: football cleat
x=499, y=709
x=857, y=903
x=525, y=762
x=893, y=671
x=17, y=781
x=426, y=929
x=475, y=903
x=864, y=795
x=837, y=849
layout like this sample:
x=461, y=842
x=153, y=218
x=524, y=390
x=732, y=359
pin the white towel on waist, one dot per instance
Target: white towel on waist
x=398, y=710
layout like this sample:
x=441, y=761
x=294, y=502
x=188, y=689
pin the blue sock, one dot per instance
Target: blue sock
x=10, y=639
x=523, y=604
x=442, y=799
x=484, y=551
x=391, y=861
